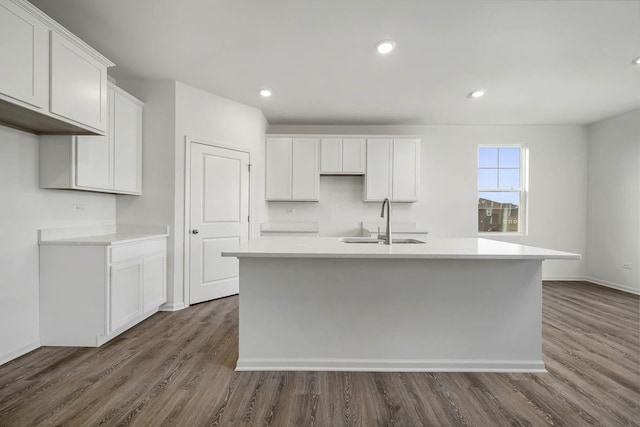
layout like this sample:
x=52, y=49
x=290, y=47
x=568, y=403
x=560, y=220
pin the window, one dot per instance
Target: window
x=501, y=189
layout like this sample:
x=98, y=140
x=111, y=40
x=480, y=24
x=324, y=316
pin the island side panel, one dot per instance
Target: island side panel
x=390, y=315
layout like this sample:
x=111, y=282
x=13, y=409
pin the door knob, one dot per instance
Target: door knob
x=195, y=231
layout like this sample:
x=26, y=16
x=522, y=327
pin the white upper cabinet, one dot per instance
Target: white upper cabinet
x=278, y=169
x=378, y=178
x=292, y=169
x=393, y=169
x=94, y=158
x=405, y=170
x=78, y=84
x=51, y=82
x=305, y=177
x=127, y=143
x=330, y=155
x=24, y=56
x=111, y=163
x=342, y=156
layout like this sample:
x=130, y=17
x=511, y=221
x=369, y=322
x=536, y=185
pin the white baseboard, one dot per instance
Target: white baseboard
x=612, y=285
x=564, y=278
x=19, y=352
x=172, y=307
x=384, y=365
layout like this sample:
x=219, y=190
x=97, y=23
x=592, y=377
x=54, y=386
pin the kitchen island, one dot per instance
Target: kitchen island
x=450, y=304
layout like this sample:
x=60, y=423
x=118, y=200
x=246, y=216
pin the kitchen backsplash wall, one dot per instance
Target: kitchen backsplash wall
x=448, y=200
x=25, y=208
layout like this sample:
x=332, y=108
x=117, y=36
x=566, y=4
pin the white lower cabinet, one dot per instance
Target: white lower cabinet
x=91, y=293
x=125, y=296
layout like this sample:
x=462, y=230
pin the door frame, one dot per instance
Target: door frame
x=186, y=242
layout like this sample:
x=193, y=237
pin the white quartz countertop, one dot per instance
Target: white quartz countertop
x=101, y=235
x=104, y=239
x=434, y=248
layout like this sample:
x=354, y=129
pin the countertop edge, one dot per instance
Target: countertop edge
x=122, y=241
x=403, y=256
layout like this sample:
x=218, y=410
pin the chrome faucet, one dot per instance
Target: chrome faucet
x=387, y=237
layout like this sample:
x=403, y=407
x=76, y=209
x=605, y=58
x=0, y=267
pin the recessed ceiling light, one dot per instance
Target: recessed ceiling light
x=477, y=93
x=385, y=46
x=265, y=92
x=636, y=61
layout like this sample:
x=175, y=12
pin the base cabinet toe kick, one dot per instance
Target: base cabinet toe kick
x=371, y=312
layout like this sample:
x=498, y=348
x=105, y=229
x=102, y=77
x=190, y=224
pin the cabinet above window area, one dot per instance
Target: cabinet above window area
x=51, y=82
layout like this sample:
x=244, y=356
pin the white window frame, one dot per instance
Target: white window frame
x=523, y=209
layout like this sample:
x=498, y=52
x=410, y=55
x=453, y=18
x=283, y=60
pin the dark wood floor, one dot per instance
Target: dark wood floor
x=177, y=369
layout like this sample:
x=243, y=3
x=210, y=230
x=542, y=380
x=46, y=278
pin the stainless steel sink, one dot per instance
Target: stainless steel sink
x=394, y=241
x=360, y=240
x=377, y=241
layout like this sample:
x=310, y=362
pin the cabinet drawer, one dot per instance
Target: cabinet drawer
x=137, y=250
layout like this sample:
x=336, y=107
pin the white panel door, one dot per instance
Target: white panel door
x=305, y=174
x=353, y=155
x=219, y=219
x=24, y=56
x=127, y=129
x=378, y=177
x=78, y=84
x=278, y=169
x=406, y=158
x=331, y=155
x=94, y=158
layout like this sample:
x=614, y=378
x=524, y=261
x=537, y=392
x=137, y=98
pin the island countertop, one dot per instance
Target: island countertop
x=433, y=248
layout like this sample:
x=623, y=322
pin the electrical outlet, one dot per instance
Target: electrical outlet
x=626, y=266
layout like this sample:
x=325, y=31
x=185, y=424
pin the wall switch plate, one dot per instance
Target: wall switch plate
x=626, y=266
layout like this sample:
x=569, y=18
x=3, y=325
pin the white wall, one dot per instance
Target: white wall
x=24, y=209
x=448, y=203
x=204, y=116
x=614, y=202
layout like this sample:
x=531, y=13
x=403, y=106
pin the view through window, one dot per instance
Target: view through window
x=500, y=189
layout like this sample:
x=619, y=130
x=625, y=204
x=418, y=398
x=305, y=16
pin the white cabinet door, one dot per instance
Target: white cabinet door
x=331, y=155
x=278, y=169
x=406, y=170
x=378, y=177
x=127, y=140
x=305, y=176
x=78, y=84
x=94, y=158
x=125, y=299
x=24, y=56
x=353, y=155
x=154, y=281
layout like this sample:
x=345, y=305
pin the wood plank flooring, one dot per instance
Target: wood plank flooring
x=177, y=369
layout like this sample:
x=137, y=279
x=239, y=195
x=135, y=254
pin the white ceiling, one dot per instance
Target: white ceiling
x=542, y=62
